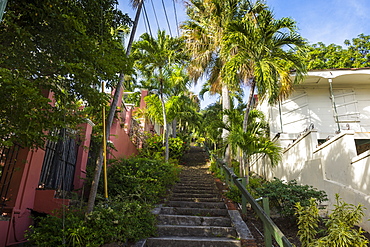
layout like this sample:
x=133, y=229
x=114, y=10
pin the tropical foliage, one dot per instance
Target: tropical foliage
x=58, y=46
x=340, y=230
x=155, y=59
x=141, y=179
x=284, y=195
x=356, y=55
x=204, y=32
x=120, y=221
x=257, y=46
x=134, y=186
x=153, y=148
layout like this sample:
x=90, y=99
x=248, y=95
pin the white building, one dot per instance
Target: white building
x=324, y=128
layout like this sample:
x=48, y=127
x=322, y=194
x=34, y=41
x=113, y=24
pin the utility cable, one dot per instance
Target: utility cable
x=177, y=21
x=165, y=13
x=155, y=14
x=147, y=20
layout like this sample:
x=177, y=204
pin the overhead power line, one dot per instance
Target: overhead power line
x=165, y=13
x=177, y=22
x=147, y=20
x=155, y=14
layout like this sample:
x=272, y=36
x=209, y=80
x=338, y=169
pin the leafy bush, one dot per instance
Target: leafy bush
x=254, y=182
x=153, y=147
x=134, y=186
x=120, y=221
x=177, y=147
x=234, y=194
x=215, y=170
x=284, y=196
x=308, y=221
x=340, y=225
x=140, y=178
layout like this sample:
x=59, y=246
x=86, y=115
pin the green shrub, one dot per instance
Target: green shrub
x=134, y=185
x=121, y=221
x=284, y=196
x=215, y=170
x=153, y=147
x=307, y=221
x=234, y=194
x=140, y=178
x=114, y=221
x=340, y=225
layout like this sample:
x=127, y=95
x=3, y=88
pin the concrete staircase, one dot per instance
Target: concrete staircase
x=195, y=214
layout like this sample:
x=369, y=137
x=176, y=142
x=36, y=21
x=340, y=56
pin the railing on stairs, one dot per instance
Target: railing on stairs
x=270, y=228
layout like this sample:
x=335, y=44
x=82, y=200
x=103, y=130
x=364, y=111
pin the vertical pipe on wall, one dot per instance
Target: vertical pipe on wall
x=333, y=103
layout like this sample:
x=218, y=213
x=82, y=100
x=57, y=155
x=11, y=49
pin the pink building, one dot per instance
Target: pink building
x=34, y=181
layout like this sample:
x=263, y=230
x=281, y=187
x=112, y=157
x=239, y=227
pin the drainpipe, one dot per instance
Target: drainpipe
x=333, y=103
x=281, y=119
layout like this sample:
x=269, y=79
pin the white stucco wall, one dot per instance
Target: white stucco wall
x=333, y=166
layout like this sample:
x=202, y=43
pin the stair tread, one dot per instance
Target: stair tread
x=193, y=241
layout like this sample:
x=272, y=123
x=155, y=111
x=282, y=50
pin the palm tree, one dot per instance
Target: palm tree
x=154, y=58
x=204, y=32
x=253, y=141
x=212, y=124
x=257, y=47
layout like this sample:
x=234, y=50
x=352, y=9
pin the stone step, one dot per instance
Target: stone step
x=195, y=214
x=196, y=199
x=186, y=204
x=196, y=231
x=197, y=182
x=191, y=241
x=193, y=195
x=194, y=211
x=201, y=177
x=195, y=186
x=195, y=191
x=188, y=220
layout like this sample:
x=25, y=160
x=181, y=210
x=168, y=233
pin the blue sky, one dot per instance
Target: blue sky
x=327, y=21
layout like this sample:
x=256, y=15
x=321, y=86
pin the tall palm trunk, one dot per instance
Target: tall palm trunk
x=225, y=119
x=249, y=105
x=174, y=130
x=165, y=126
x=244, y=162
x=112, y=111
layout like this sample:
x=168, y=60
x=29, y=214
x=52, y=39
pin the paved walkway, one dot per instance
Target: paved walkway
x=195, y=214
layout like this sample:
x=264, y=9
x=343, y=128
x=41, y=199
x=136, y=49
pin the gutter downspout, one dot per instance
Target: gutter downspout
x=330, y=80
x=281, y=118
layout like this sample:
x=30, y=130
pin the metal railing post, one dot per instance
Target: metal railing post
x=266, y=208
x=244, y=199
x=231, y=179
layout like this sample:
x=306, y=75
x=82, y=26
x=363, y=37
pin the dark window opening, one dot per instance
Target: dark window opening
x=362, y=145
x=59, y=162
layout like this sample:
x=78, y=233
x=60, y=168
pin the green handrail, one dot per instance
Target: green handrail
x=270, y=227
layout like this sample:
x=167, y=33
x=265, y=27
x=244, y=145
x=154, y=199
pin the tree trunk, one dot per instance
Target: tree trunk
x=174, y=130
x=112, y=111
x=165, y=127
x=225, y=119
x=249, y=104
x=245, y=162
